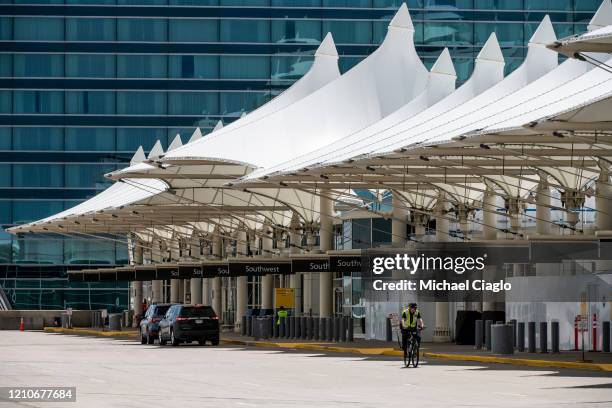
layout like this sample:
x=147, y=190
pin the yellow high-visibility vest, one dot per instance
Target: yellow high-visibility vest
x=410, y=320
x=281, y=313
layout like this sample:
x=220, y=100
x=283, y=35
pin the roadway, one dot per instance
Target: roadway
x=123, y=373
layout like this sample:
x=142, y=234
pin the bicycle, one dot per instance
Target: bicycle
x=411, y=352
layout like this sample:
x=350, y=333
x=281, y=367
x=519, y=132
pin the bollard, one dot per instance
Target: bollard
x=543, y=337
x=478, y=335
x=349, y=335
x=520, y=336
x=531, y=337
x=389, y=332
x=336, y=324
x=501, y=339
x=309, y=334
x=291, y=331
x=304, y=328
x=249, y=328
x=298, y=327
x=343, y=329
x=554, y=336
x=322, y=332
x=329, y=328
x=270, y=323
x=513, y=323
x=243, y=324
x=275, y=329
x=281, y=330
x=605, y=338
x=487, y=342
x=114, y=321
x=315, y=328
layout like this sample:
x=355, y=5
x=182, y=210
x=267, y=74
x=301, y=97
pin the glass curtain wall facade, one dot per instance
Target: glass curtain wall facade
x=85, y=82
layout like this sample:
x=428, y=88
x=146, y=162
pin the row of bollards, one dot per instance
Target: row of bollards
x=504, y=338
x=332, y=329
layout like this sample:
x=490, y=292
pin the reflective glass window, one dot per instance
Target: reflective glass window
x=6, y=138
x=499, y=4
x=235, y=103
x=362, y=233
x=38, y=175
x=90, y=65
x=586, y=5
x=193, y=30
x=38, y=28
x=6, y=101
x=38, y=102
x=5, y=175
x=91, y=1
x=347, y=3
x=6, y=65
x=128, y=139
x=296, y=31
x=451, y=4
x=90, y=102
x=296, y=3
x=245, y=30
x=46, y=251
x=244, y=2
x=32, y=210
x=547, y=5
x=87, y=175
x=6, y=28
x=38, y=138
x=412, y=4
x=141, y=103
x=90, y=139
x=194, y=2
x=193, y=66
x=6, y=218
x=448, y=33
x=90, y=29
x=245, y=67
x=89, y=251
x=349, y=32
x=508, y=34
x=38, y=65
x=142, y=29
x=290, y=67
x=193, y=103
x=142, y=66
x=143, y=2
x=381, y=231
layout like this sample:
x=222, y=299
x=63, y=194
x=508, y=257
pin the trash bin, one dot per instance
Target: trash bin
x=502, y=339
x=114, y=321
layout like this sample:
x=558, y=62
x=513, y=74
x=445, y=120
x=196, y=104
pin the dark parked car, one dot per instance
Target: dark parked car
x=186, y=323
x=149, y=325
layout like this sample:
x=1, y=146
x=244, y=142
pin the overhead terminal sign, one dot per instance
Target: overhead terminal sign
x=310, y=265
x=259, y=268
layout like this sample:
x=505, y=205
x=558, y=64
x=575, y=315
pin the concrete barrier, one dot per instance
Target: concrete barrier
x=487, y=340
x=37, y=319
x=114, y=321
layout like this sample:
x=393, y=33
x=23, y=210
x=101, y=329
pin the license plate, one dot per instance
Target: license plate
x=199, y=321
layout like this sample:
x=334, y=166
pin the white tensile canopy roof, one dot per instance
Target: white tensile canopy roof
x=597, y=39
x=386, y=80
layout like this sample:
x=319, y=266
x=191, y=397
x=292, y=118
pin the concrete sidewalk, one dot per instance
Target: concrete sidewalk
x=445, y=351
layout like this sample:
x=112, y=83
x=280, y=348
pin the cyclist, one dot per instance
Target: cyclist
x=411, y=322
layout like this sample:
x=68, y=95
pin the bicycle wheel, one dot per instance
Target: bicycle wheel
x=415, y=356
x=406, y=360
x=410, y=354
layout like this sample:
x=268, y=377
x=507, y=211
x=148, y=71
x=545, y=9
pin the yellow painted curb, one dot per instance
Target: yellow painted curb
x=91, y=332
x=443, y=356
x=521, y=361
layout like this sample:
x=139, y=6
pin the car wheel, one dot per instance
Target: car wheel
x=173, y=340
x=215, y=342
x=162, y=342
x=150, y=339
x=143, y=339
x=202, y=342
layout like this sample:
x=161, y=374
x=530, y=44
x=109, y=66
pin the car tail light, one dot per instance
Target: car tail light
x=181, y=319
x=215, y=317
x=155, y=319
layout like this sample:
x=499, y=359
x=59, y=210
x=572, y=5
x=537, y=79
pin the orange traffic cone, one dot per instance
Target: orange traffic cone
x=21, y=325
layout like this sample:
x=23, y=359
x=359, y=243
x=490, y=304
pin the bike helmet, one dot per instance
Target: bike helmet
x=411, y=305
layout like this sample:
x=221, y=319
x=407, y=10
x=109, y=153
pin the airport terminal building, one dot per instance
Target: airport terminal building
x=454, y=123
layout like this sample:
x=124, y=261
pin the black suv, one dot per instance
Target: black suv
x=149, y=325
x=186, y=323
